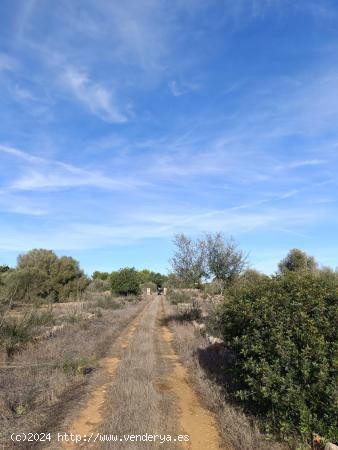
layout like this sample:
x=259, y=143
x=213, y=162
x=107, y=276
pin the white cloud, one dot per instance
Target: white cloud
x=154, y=224
x=7, y=62
x=178, y=89
x=23, y=94
x=174, y=89
x=300, y=163
x=48, y=174
x=20, y=154
x=24, y=16
x=308, y=162
x=94, y=96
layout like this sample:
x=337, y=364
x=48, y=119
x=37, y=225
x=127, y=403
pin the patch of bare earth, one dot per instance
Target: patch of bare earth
x=194, y=419
x=140, y=401
x=90, y=417
x=151, y=395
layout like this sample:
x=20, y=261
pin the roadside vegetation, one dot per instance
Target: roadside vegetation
x=264, y=348
x=129, y=281
x=48, y=309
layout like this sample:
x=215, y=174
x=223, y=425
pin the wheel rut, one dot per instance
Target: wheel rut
x=91, y=415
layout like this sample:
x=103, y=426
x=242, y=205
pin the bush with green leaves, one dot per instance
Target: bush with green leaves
x=41, y=276
x=120, y=279
x=104, y=276
x=283, y=333
x=153, y=278
x=125, y=281
x=4, y=268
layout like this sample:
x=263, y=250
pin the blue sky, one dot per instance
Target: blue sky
x=123, y=123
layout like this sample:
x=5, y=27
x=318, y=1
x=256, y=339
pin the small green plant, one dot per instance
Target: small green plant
x=20, y=410
x=72, y=364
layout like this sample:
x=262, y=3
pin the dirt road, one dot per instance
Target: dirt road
x=143, y=389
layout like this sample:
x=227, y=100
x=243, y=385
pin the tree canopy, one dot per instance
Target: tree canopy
x=298, y=261
x=41, y=275
x=209, y=256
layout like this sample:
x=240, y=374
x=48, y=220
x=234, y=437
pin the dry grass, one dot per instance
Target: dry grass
x=43, y=369
x=138, y=401
x=240, y=431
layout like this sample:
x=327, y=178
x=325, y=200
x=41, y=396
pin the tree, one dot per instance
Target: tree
x=225, y=260
x=189, y=260
x=97, y=275
x=4, y=269
x=126, y=281
x=158, y=278
x=148, y=276
x=297, y=261
x=69, y=279
x=41, y=275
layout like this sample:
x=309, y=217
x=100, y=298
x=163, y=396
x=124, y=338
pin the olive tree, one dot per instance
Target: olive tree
x=189, y=260
x=225, y=260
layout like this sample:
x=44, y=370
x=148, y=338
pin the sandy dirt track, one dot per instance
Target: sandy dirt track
x=179, y=411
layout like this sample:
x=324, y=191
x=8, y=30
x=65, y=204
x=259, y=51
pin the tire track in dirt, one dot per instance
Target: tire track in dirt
x=91, y=416
x=138, y=405
x=193, y=418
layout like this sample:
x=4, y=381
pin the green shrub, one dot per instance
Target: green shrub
x=125, y=282
x=154, y=278
x=283, y=333
x=97, y=275
x=42, y=276
x=73, y=364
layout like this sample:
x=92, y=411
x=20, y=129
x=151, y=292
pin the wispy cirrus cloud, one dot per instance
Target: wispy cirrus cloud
x=178, y=88
x=48, y=174
x=306, y=163
x=151, y=224
x=94, y=96
x=16, y=204
x=7, y=62
x=220, y=136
